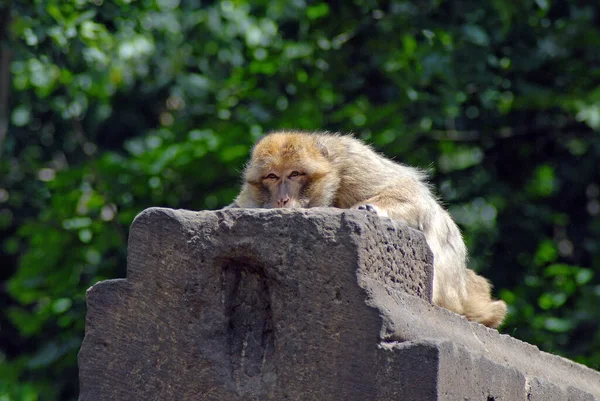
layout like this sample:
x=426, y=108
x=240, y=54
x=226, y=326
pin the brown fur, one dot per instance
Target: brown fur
x=296, y=169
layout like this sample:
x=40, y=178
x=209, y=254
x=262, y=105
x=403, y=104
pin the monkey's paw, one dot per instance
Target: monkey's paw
x=373, y=209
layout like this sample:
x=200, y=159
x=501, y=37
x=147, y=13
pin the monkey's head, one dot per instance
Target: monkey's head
x=289, y=169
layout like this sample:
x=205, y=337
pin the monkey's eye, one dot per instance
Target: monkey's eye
x=295, y=174
x=271, y=176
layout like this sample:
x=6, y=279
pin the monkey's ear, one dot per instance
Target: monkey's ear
x=322, y=148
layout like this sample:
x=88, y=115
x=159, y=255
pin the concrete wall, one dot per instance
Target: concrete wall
x=318, y=304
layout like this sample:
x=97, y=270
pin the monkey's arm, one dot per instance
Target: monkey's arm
x=244, y=200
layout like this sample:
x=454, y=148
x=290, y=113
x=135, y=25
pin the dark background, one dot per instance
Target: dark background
x=109, y=107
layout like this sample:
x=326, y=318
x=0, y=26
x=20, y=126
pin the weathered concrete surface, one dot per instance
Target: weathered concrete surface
x=318, y=304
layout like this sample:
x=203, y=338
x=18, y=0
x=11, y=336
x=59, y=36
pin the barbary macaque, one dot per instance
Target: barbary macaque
x=290, y=169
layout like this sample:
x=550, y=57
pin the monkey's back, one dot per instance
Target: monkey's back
x=365, y=173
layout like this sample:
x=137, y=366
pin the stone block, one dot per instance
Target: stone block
x=249, y=304
x=319, y=304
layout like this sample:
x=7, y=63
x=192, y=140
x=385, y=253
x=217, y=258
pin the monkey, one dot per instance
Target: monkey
x=296, y=169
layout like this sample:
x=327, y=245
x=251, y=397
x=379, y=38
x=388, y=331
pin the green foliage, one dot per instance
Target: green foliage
x=117, y=106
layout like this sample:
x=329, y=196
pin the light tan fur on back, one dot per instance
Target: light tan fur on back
x=297, y=169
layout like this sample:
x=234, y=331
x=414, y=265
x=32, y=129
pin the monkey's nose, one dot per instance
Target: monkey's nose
x=283, y=202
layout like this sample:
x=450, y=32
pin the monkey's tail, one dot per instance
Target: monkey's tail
x=479, y=305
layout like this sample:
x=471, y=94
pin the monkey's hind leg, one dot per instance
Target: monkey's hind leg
x=374, y=209
x=479, y=305
x=391, y=204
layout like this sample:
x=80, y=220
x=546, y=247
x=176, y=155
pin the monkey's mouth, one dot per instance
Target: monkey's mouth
x=292, y=204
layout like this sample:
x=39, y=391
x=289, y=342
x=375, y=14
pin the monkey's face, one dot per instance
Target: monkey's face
x=285, y=187
x=290, y=170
